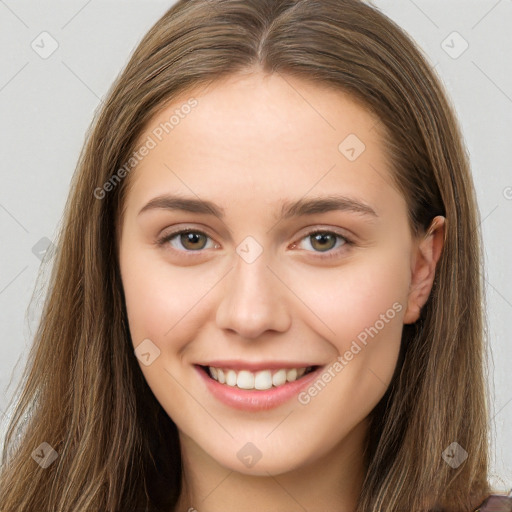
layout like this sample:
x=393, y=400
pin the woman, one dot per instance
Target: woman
x=264, y=362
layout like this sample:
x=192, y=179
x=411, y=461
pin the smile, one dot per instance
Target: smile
x=261, y=380
x=258, y=388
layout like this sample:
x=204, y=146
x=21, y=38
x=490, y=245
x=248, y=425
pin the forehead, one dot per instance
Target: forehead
x=262, y=136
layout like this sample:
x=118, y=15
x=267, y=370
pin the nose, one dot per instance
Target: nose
x=253, y=300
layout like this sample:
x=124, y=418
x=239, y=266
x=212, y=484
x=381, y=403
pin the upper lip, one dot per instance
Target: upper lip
x=255, y=366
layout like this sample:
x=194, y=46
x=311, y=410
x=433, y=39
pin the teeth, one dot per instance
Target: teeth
x=291, y=375
x=231, y=378
x=261, y=380
x=245, y=379
x=279, y=378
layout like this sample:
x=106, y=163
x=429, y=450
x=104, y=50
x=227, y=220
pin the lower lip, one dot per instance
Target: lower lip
x=254, y=399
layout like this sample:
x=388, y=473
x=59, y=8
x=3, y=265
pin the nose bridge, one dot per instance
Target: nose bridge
x=253, y=299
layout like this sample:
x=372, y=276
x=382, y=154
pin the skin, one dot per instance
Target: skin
x=253, y=142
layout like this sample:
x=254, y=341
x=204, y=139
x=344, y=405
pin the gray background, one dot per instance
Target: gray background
x=46, y=105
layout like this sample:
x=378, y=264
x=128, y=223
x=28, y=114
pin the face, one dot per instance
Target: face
x=279, y=254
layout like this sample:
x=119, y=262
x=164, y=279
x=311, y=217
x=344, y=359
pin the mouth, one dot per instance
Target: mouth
x=257, y=389
x=257, y=380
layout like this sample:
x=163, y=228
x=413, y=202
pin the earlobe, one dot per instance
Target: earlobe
x=428, y=252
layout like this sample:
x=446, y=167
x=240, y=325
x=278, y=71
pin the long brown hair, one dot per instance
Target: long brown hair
x=83, y=392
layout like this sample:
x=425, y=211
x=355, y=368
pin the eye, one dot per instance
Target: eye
x=320, y=241
x=323, y=241
x=187, y=240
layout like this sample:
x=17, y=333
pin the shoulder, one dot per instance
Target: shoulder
x=496, y=503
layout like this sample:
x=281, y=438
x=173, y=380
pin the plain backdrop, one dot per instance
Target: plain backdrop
x=47, y=102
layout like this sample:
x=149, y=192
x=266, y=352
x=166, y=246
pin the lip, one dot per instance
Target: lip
x=257, y=400
x=255, y=367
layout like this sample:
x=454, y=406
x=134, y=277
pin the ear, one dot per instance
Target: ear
x=427, y=254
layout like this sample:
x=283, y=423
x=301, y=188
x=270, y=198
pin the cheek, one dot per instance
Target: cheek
x=353, y=297
x=163, y=303
x=363, y=305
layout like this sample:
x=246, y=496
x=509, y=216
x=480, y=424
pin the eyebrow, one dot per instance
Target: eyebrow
x=301, y=207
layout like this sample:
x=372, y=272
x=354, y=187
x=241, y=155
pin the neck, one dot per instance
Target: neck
x=331, y=482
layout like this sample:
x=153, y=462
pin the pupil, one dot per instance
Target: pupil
x=191, y=238
x=321, y=238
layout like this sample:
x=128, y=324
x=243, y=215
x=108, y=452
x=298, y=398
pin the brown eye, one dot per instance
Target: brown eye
x=187, y=240
x=193, y=240
x=323, y=241
x=330, y=243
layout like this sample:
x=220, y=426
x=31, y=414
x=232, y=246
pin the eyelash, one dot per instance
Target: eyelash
x=331, y=253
